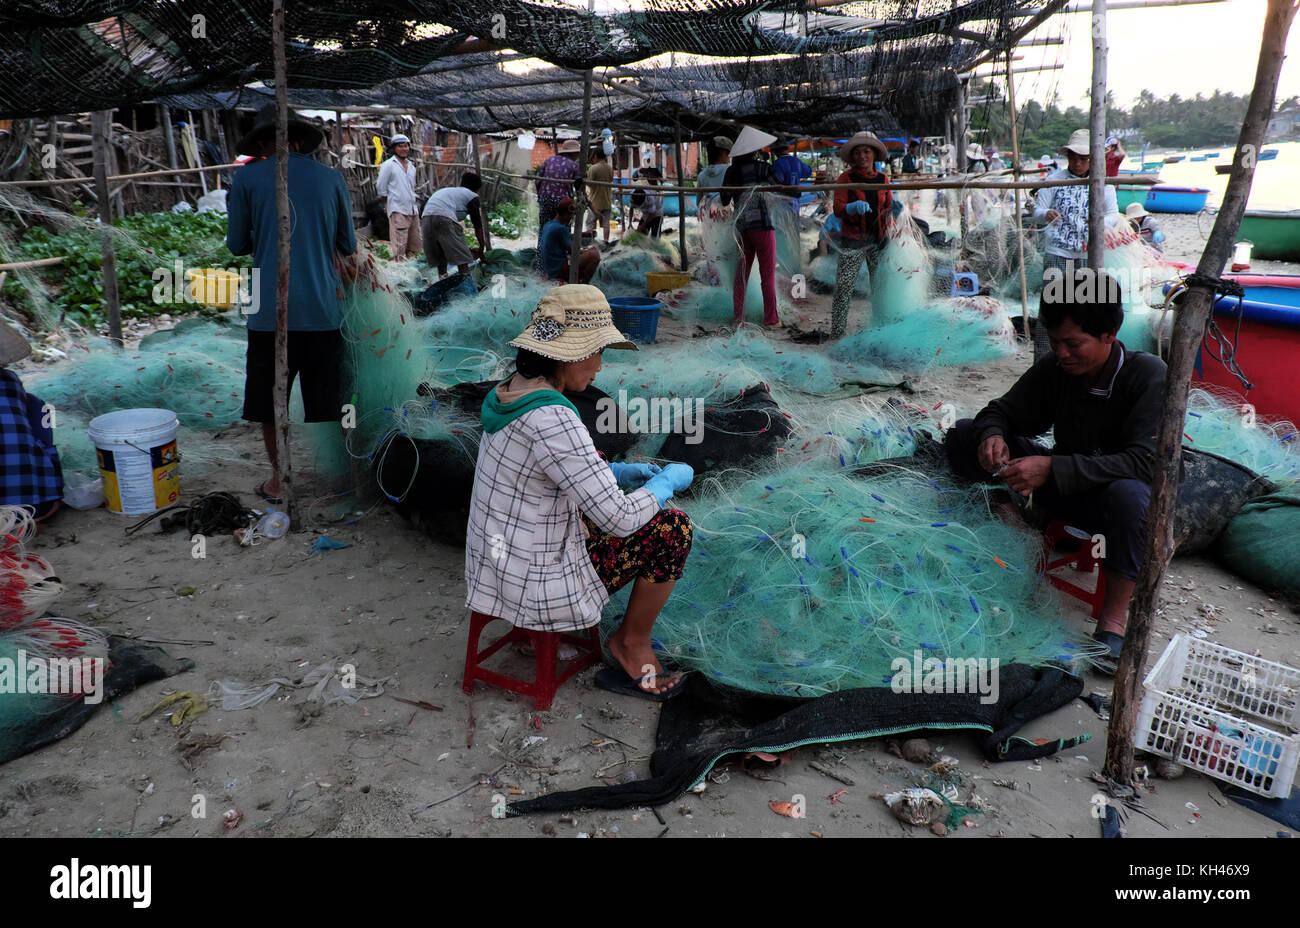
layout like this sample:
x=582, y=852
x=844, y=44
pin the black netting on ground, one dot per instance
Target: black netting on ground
x=75, y=55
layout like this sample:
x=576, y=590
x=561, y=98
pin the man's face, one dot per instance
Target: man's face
x=1079, y=164
x=402, y=149
x=1078, y=353
x=565, y=215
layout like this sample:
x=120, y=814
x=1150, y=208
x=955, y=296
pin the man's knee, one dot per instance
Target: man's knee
x=1127, y=501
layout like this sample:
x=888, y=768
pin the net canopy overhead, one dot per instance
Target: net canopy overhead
x=65, y=56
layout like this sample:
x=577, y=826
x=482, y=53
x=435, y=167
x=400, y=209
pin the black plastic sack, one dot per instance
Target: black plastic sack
x=744, y=429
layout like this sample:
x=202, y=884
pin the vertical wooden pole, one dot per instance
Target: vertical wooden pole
x=283, y=233
x=1189, y=325
x=338, y=132
x=961, y=127
x=1097, y=141
x=681, y=194
x=580, y=188
x=1020, y=227
x=100, y=123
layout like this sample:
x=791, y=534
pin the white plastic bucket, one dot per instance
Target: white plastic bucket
x=1241, y=255
x=138, y=459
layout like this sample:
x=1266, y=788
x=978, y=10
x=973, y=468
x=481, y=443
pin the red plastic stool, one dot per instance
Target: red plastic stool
x=1081, y=560
x=549, y=676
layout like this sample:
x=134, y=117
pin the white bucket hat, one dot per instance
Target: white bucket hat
x=1135, y=211
x=1079, y=143
x=750, y=140
x=863, y=138
x=571, y=323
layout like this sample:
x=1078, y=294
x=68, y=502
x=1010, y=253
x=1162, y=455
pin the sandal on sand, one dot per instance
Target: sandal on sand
x=261, y=491
x=617, y=680
x=1108, y=663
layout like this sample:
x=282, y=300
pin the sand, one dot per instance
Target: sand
x=392, y=604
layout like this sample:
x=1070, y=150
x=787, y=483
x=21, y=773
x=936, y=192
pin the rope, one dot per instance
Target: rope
x=1214, y=342
x=210, y=514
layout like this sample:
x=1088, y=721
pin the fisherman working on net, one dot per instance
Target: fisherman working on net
x=1103, y=403
x=552, y=532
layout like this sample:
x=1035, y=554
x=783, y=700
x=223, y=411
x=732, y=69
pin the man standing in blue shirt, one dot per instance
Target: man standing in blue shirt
x=320, y=230
x=789, y=170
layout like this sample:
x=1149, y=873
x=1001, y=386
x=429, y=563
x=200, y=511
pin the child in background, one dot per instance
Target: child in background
x=30, y=474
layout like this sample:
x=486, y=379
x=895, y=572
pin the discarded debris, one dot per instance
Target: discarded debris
x=917, y=806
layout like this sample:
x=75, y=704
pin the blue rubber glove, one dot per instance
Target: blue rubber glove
x=679, y=475
x=1158, y=236
x=632, y=476
x=858, y=208
x=661, y=487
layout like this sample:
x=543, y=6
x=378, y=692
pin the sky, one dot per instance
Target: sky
x=1184, y=50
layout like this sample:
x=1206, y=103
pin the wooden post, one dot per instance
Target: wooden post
x=1189, y=325
x=580, y=188
x=961, y=127
x=1020, y=228
x=681, y=194
x=100, y=123
x=338, y=132
x=283, y=233
x=1097, y=141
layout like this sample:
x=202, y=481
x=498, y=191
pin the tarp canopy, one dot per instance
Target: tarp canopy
x=894, y=56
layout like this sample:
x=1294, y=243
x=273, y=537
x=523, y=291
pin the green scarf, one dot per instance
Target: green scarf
x=496, y=415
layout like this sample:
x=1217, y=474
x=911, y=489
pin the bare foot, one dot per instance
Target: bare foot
x=638, y=661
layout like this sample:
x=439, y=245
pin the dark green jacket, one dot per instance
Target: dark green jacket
x=1103, y=433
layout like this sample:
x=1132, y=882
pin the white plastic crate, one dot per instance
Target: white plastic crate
x=1228, y=714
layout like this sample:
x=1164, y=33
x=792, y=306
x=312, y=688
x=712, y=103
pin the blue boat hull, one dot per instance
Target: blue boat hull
x=1176, y=199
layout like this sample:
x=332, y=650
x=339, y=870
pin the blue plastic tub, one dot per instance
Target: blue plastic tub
x=637, y=317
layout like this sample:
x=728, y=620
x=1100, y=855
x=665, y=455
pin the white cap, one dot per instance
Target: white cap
x=399, y=139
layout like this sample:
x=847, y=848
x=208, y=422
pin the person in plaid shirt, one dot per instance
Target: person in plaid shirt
x=30, y=474
x=551, y=531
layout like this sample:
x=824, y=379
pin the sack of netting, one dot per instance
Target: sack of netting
x=378, y=216
x=428, y=482
x=731, y=434
x=1260, y=543
x=1211, y=491
x=441, y=292
x=598, y=410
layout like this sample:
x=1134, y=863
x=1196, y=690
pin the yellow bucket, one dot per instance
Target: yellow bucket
x=216, y=288
x=655, y=281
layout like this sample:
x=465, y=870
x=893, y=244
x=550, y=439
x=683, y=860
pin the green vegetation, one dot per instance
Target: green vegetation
x=1175, y=122
x=150, y=242
x=507, y=218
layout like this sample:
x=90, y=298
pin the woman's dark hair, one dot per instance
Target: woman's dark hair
x=1093, y=299
x=530, y=364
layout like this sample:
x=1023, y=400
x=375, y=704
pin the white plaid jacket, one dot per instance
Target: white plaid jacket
x=526, y=557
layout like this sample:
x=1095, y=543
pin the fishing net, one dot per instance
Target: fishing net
x=957, y=330
x=1221, y=423
x=806, y=581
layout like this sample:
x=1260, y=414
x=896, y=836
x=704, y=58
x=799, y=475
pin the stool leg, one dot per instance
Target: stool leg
x=477, y=622
x=545, y=645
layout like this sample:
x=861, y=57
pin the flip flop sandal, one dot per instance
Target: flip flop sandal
x=1108, y=663
x=617, y=680
x=273, y=500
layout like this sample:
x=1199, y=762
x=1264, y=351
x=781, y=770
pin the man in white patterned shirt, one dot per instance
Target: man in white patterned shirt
x=397, y=183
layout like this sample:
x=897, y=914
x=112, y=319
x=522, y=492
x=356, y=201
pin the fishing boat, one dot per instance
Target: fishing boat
x=1268, y=154
x=1212, y=155
x=1162, y=199
x=1173, y=159
x=1198, y=157
x=1275, y=233
x=1223, y=169
x=1152, y=165
x=1268, y=343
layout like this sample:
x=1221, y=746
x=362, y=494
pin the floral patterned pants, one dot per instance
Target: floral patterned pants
x=656, y=551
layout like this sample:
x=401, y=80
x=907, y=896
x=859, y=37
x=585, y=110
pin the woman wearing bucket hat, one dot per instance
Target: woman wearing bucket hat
x=755, y=232
x=866, y=217
x=551, y=531
x=1065, y=210
x=31, y=475
x=1145, y=226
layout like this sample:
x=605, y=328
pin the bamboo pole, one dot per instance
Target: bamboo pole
x=101, y=121
x=681, y=196
x=27, y=265
x=1189, y=325
x=283, y=233
x=1097, y=141
x=62, y=181
x=1020, y=227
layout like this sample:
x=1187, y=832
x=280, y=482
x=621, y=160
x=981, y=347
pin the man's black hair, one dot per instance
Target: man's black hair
x=1093, y=299
x=530, y=364
x=471, y=181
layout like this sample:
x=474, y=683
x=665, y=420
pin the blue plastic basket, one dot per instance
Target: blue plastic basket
x=636, y=316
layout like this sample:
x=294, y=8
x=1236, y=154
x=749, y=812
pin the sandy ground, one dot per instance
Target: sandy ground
x=392, y=605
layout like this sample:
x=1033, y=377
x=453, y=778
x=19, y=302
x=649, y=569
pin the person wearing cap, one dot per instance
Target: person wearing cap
x=1103, y=403
x=397, y=183
x=649, y=203
x=789, y=169
x=1145, y=226
x=866, y=218
x=753, y=223
x=555, y=180
x=719, y=151
x=555, y=244
x=600, y=197
x=1115, y=155
x=31, y=475
x=321, y=234
x=1065, y=209
x=553, y=529
x=443, y=226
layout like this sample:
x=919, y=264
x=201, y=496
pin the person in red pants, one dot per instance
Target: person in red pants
x=755, y=232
